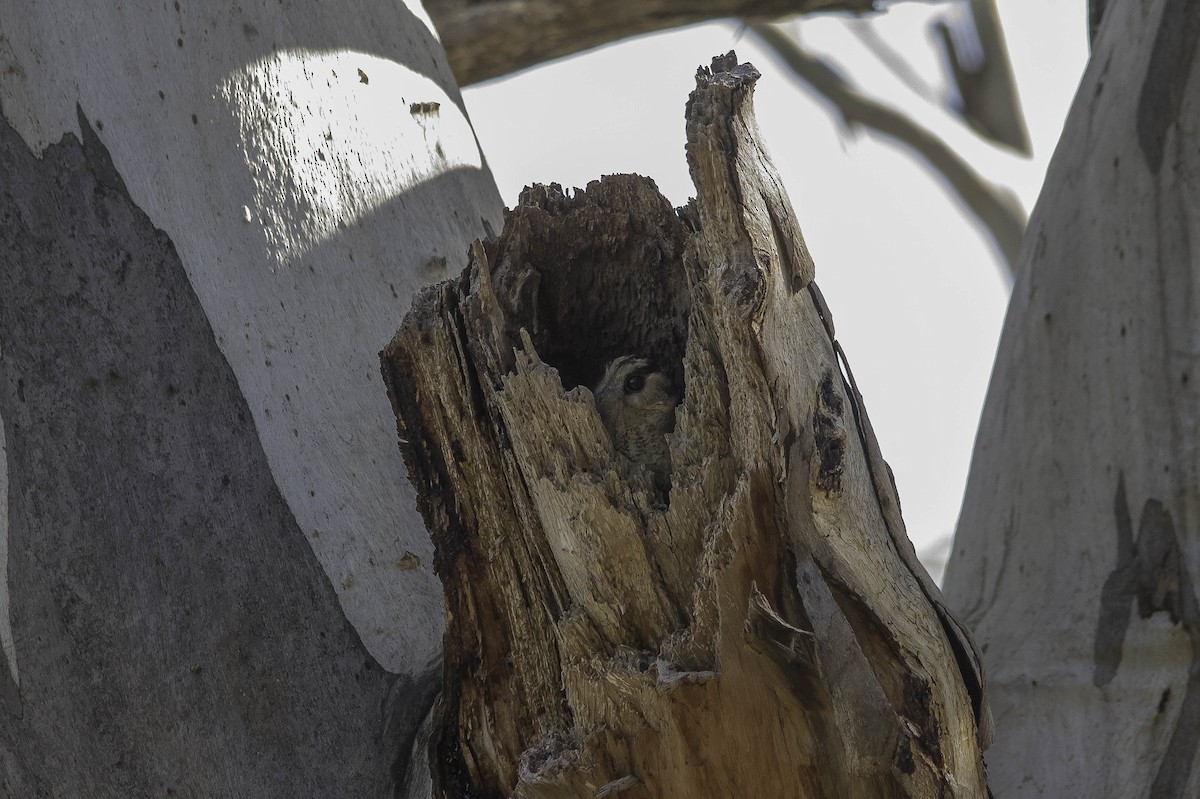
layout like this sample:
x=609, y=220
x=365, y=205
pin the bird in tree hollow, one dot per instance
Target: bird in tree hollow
x=637, y=406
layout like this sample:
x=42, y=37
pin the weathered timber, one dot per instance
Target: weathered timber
x=765, y=631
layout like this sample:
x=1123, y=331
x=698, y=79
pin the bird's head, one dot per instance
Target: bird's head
x=633, y=383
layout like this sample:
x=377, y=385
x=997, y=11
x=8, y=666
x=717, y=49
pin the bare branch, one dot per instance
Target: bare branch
x=490, y=38
x=866, y=33
x=982, y=72
x=995, y=207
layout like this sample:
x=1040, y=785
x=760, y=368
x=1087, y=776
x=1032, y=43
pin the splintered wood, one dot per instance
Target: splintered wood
x=762, y=630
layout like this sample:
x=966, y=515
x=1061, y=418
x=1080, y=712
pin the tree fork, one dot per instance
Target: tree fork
x=765, y=629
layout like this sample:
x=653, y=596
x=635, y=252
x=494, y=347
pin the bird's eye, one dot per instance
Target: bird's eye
x=634, y=383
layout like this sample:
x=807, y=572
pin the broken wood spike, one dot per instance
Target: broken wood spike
x=753, y=633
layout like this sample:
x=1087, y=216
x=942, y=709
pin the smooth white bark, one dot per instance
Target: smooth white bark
x=313, y=167
x=1077, y=551
x=212, y=218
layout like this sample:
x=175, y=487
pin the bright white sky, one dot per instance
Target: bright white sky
x=913, y=286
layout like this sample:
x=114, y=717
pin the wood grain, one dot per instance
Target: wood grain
x=759, y=634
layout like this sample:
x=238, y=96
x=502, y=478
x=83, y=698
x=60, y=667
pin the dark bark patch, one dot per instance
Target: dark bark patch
x=165, y=618
x=1115, y=596
x=1165, y=84
x=829, y=434
x=1151, y=571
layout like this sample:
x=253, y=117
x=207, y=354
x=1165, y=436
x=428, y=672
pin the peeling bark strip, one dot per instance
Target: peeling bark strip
x=761, y=633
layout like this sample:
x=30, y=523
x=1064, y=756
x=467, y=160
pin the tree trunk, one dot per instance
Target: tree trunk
x=764, y=628
x=1078, y=546
x=211, y=217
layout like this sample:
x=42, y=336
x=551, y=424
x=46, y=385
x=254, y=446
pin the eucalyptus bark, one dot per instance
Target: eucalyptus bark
x=205, y=532
x=763, y=630
x=1078, y=550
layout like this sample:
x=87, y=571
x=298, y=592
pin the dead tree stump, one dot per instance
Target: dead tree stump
x=763, y=630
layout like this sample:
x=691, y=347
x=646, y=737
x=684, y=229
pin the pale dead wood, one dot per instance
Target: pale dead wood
x=765, y=632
